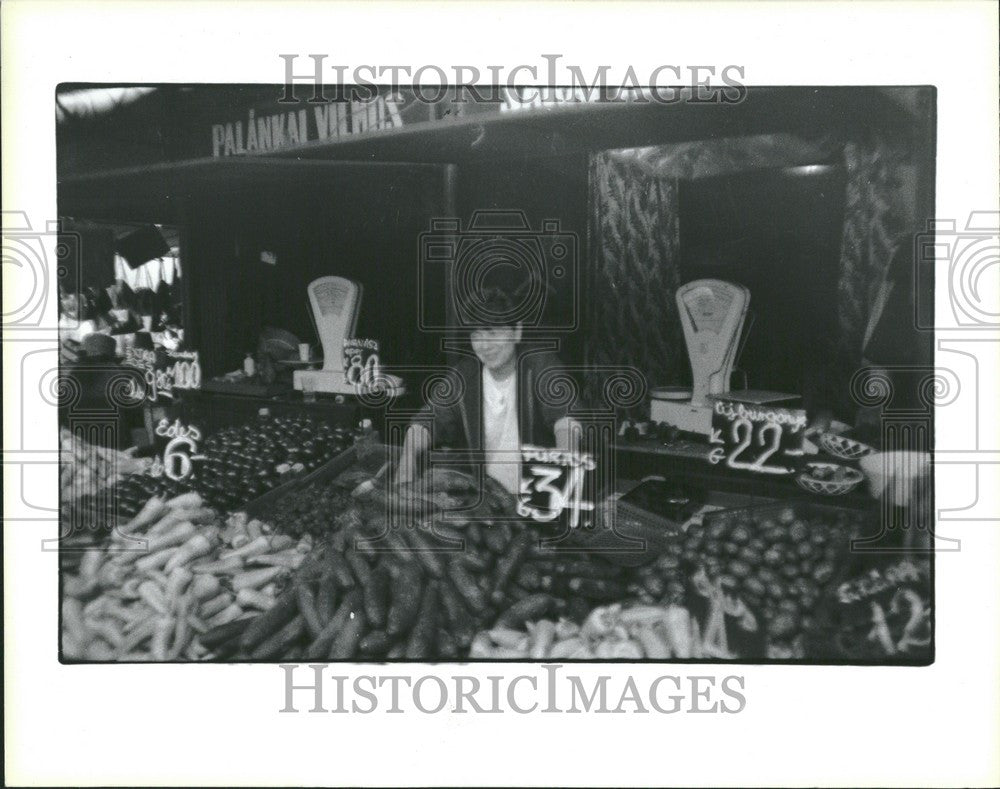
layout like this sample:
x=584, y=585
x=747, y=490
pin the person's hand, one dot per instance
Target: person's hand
x=568, y=433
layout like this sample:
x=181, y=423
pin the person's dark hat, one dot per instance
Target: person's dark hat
x=99, y=346
x=143, y=341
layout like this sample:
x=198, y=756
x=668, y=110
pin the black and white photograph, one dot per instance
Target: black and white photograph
x=525, y=373
x=388, y=387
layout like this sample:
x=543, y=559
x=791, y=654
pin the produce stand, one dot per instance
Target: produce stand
x=337, y=563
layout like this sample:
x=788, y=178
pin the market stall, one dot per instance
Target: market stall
x=729, y=500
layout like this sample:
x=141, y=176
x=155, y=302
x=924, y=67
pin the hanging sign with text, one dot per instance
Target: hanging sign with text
x=758, y=438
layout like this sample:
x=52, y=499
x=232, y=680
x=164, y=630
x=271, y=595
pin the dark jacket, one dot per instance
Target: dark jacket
x=458, y=421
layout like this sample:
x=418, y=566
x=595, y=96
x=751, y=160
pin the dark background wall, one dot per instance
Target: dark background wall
x=352, y=224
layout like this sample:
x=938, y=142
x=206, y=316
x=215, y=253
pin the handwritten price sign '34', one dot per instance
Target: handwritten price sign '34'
x=553, y=482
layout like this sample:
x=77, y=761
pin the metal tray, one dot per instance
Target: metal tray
x=367, y=453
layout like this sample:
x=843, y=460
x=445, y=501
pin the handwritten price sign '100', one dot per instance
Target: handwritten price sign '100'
x=183, y=371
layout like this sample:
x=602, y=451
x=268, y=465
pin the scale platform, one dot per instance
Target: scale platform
x=712, y=314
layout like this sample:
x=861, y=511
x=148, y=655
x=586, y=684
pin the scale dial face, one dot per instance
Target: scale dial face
x=708, y=308
x=332, y=297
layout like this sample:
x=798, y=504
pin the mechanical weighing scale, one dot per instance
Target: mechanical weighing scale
x=336, y=303
x=712, y=313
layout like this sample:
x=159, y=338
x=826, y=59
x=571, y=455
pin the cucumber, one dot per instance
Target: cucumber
x=529, y=609
x=278, y=644
x=405, y=593
x=284, y=608
x=377, y=596
x=467, y=587
x=345, y=644
x=421, y=643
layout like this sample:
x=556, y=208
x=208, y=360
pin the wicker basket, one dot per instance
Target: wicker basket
x=830, y=487
x=843, y=447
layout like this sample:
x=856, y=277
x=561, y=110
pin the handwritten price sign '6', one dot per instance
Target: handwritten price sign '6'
x=180, y=452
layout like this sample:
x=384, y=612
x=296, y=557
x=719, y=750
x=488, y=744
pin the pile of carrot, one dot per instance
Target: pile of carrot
x=88, y=469
x=167, y=576
x=610, y=632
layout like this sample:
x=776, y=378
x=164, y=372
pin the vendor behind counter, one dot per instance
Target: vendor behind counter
x=97, y=390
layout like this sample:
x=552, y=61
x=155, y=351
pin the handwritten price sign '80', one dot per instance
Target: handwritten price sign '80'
x=757, y=438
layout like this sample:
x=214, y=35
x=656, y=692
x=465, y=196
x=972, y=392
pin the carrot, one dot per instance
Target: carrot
x=150, y=511
x=227, y=614
x=289, y=559
x=177, y=583
x=305, y=545
x=112, y=575
x=254, y=579
x=185, y=501
x=543, y=637
x=182, y=630
x=154, y=561
x=182, y=532
x=251, y=598
x=137, y=636
x=205, y=586
x=151, y=594
x=90, y=563
x=196, y=624
x=255, y=547
x=107, y=631
x=280, y=542
x=162, y=631
x=212, y=606
x=196, y=547
x=228, y=567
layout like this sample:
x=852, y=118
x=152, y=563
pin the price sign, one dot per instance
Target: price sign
x=553, y=483
x=758, y=438
x=887, y=606
x=165, y=371
x=360, y=362
x=180, y=450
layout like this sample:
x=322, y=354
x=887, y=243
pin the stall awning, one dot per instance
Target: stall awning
x=160, y=193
